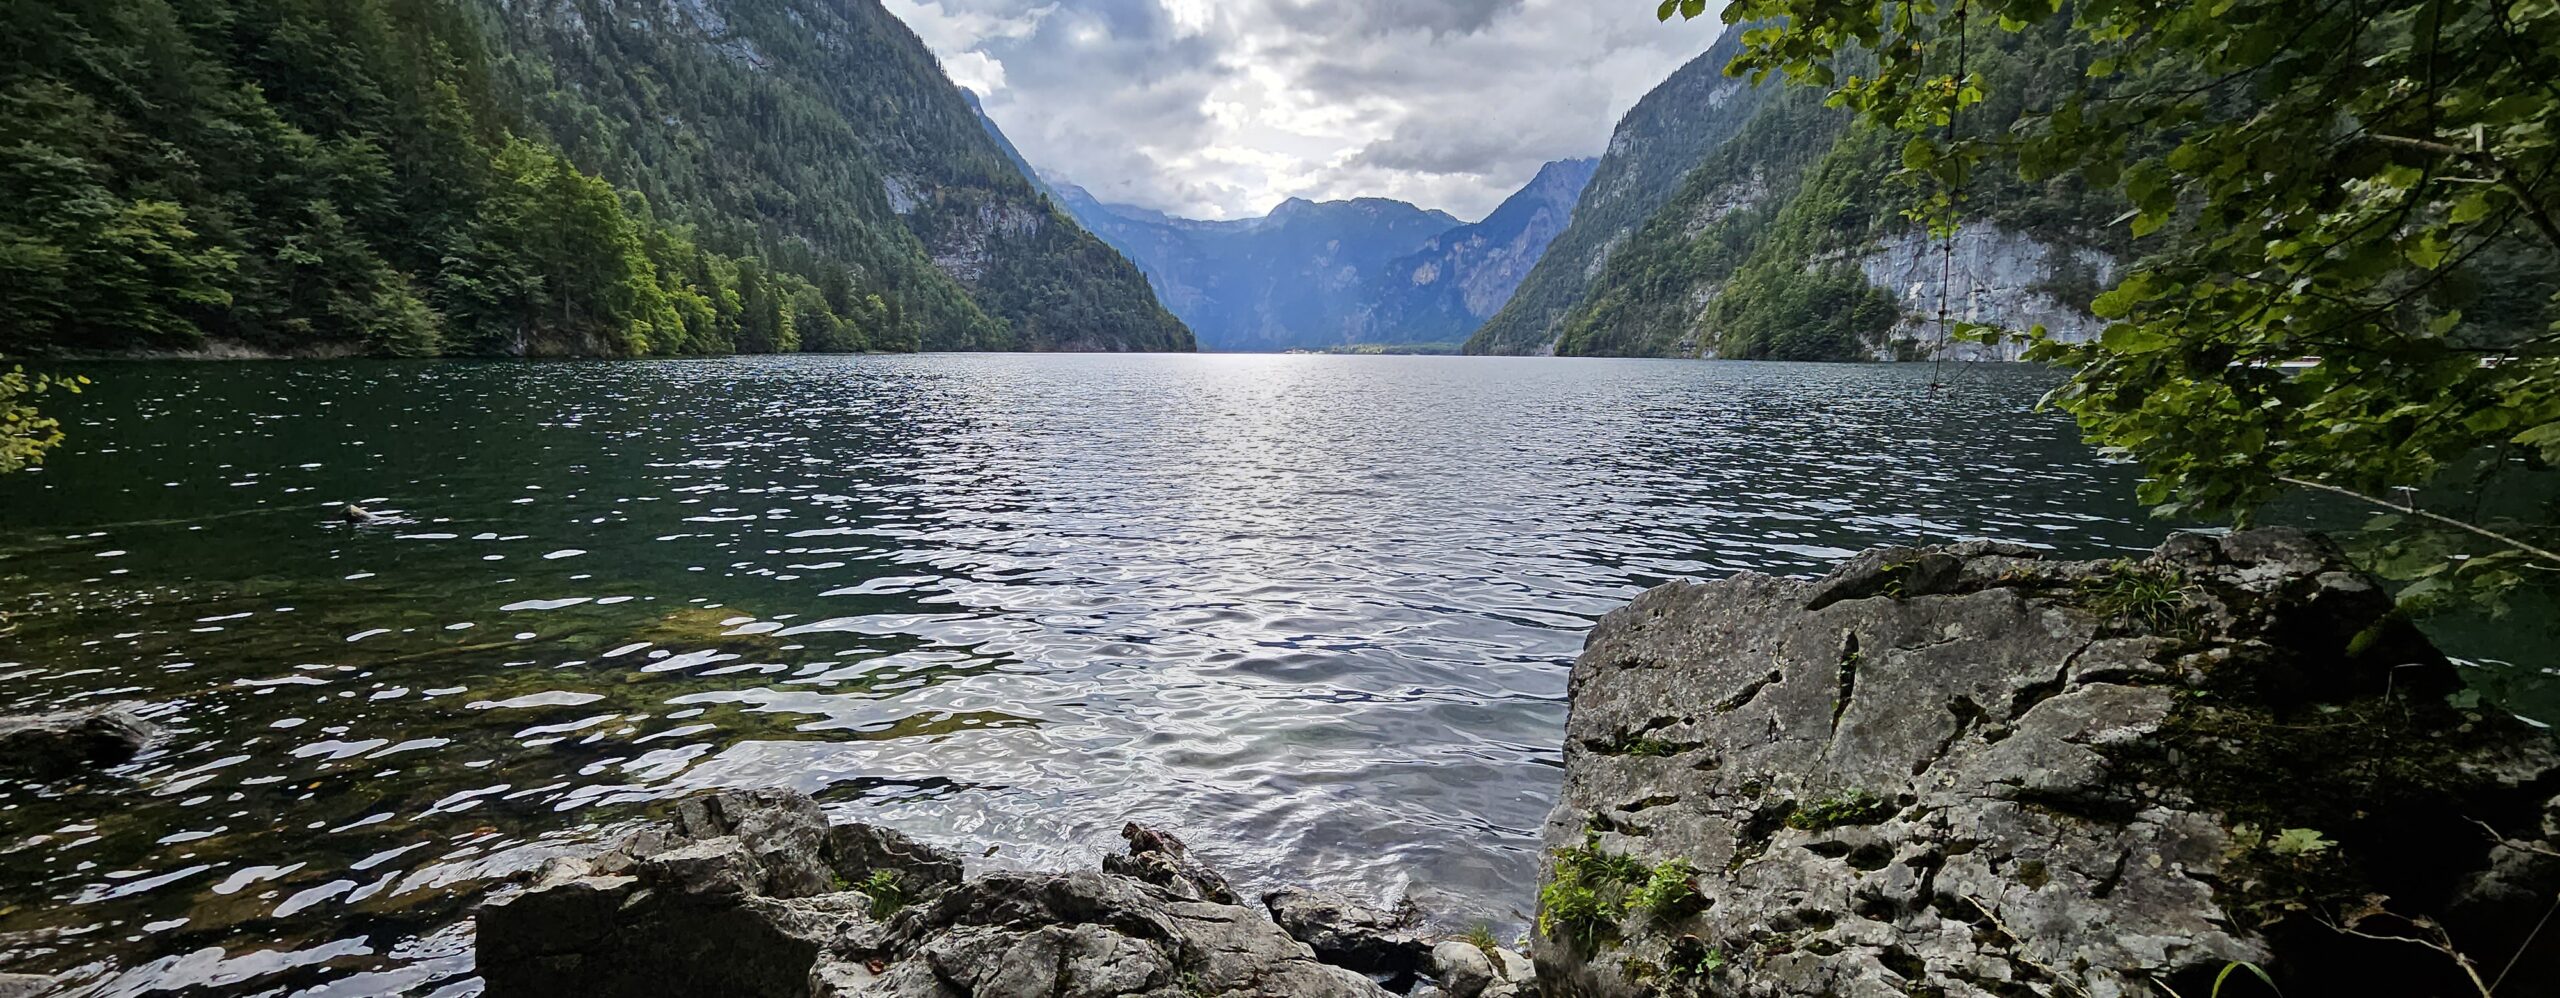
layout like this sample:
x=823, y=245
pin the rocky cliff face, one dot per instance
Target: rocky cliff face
x=1764, y=224
x=1989, y=275
x=1973, y=771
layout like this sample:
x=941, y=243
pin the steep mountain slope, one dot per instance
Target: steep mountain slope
x=1788, y=240
x=1293, y=278
x=1658, y=142
x=1460, y=278
x=825, y=132
x=389, y=177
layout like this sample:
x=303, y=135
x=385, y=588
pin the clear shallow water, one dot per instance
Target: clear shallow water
x=1314, y=612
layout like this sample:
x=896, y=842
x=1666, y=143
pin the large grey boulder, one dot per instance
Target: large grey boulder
x=56, y=745
x=1346, y=933
x=737, y=894
x=752, y=894
x=1014, y=935
x=1970, y=771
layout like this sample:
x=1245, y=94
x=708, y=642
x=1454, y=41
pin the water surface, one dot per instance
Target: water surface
x=1314, y=612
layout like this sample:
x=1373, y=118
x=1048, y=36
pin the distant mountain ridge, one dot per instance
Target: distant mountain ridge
x=1462, y=277
x=1336, y=273
x=1291, y=279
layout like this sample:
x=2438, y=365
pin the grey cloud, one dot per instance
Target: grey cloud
x=1365, y=17
x=1220, y=108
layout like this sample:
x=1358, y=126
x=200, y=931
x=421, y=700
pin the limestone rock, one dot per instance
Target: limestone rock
x=1158, y=857
x=26, y=986
x=53, y=746
x=1349, y=934
x=857, y=850
x=1463, y=970
x=1017, y=935
x=719, y=902
x=1971, y=771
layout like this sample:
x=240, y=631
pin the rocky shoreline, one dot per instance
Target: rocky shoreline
x=1954, y=771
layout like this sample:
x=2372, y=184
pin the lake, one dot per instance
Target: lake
x=1314, y=613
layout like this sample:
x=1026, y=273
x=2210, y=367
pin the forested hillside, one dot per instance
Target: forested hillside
x=1790, y=241
x=1787, y=237
x=1658, y=142
x=322, y=177
x=824, y=130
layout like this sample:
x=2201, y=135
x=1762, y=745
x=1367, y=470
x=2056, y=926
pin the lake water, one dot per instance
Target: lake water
x=1313, y=612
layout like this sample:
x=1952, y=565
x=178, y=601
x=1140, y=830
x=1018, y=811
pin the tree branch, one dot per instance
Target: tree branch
x=2543, y=554
x=2506, y=175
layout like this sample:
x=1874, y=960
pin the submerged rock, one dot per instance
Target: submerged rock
x=52, y=746
x=752, y=894
x=1970, y=771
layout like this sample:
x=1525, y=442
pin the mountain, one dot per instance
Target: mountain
x=825, y=131
x=1782, y=233
x=1005, y=145
x=1657, y=143
x=515, y=177
x=1458, y=279
x=1293, y=278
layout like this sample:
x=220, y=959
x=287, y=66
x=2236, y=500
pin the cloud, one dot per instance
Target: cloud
x=1223, y=108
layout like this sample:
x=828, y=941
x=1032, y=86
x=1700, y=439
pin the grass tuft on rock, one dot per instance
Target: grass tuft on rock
x=2158, y=600
x=887, y=895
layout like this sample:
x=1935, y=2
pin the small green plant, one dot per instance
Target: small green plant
x=25, y=435
x=1574, y=910
x=1855, y=807
x=888, y=897
x=2299, y=842
x=1637, y=745
x=1692, y=959
x=1482, y=937
x=1669, y=891
x=2160, y=601
x=1651, y=748
x=1590, y=891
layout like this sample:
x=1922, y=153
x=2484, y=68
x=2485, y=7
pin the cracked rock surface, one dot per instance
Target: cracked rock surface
x=1969, y=771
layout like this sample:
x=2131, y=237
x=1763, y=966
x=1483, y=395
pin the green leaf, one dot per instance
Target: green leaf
x=2299, y=842
x=2128, y=338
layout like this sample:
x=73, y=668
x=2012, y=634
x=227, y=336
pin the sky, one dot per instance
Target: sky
x=1224, y=108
